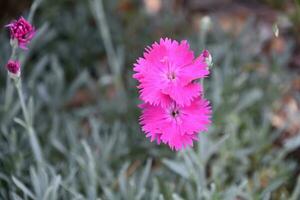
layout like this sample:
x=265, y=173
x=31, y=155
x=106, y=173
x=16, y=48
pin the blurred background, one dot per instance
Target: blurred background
x=77, y=80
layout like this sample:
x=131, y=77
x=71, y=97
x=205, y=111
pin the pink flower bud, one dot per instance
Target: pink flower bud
x=22, y=31
x=13, y=67
x=207, y=57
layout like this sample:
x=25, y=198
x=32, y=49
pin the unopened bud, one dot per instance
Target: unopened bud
x=13, y=68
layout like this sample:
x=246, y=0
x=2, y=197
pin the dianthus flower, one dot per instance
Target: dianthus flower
x=173, y=110
x=175, y=125
x=22, y=31
x=168, y=72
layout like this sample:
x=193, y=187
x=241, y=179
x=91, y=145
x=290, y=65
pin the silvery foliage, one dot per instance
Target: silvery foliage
x=97, y=151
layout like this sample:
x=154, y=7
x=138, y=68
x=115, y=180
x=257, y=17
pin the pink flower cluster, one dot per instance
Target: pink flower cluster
x=173, y=109
x=22, y=31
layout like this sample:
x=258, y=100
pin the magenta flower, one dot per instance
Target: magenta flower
x=22, y=31
x=13, y=67
x=168, y=71
x=174, y=111
x=175, y=125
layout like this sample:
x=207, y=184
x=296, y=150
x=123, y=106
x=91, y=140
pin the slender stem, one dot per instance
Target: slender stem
x=35, y=145
x=8, y=89
x=8, y=93
x=202, y=85
x=202, y=38
x=106, y=36
x=202, y=42
x=33, y=9
x=112, y=56
x=21, y=98
x=14, y=50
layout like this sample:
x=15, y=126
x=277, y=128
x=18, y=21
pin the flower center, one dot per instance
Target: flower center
x=175, y=113
x=171, y=75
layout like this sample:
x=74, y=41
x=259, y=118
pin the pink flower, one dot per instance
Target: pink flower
x=175, y=125
x=13, y=67
x=174, y=111
x=21, y=30
x=167, y=73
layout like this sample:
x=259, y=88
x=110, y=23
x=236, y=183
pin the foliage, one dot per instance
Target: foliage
x=85, y=115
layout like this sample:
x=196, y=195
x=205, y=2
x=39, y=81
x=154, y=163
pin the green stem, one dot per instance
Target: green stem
x=8, y=93
x=112, y=56
x=202, y=43
x=35, y=145
x=33, y=9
